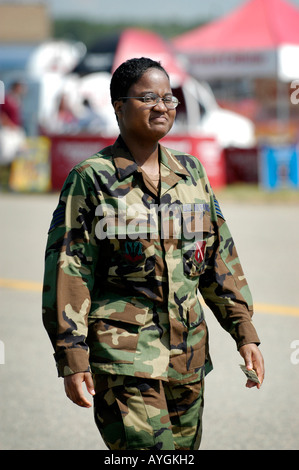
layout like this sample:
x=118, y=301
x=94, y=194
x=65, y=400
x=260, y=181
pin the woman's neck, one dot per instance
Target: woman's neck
x=146, y=156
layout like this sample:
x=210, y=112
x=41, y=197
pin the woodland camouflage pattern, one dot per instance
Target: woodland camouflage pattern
x=136, y=413
x=119, y=301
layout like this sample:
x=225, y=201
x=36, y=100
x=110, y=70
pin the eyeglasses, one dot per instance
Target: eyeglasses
x=151, y=100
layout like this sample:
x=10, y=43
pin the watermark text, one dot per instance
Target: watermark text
x=2, y=92
x=134, y=220
x=295, y=94
x=295, y=354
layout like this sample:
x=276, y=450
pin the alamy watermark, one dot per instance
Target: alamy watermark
x=2, y=92
x=125, y=219
x=295, y=354
x=295, y=94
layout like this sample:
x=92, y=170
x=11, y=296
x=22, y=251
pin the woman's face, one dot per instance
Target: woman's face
x=138, y=121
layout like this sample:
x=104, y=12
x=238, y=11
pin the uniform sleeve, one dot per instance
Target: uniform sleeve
x=70, y=260
x=224, y=286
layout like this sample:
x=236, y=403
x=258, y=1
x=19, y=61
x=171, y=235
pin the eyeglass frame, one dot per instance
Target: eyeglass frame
x=157, y=97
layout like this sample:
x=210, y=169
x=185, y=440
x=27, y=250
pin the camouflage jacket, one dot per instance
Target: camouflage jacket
x=125, y=263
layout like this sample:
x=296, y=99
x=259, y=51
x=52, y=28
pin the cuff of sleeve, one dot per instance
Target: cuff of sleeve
x=71, y=361
x=245, y=334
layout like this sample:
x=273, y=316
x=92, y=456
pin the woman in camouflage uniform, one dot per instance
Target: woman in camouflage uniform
x=137, y=233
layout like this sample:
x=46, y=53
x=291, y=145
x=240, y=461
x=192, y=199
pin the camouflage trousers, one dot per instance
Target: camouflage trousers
x=147, y=414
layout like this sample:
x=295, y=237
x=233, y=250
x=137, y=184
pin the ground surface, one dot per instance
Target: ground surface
x=35, y=414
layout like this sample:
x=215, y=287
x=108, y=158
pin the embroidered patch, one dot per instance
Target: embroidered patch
x=133, y=251
x=200, y=251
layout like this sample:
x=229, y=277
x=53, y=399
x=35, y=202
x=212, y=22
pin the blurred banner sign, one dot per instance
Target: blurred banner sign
x=67, y=151
x=233, y=64
x=279, y=167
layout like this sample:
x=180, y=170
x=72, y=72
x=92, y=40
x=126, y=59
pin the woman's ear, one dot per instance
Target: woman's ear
x=118, y=107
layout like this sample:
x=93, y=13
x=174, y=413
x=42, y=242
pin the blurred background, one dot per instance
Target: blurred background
x=234, y=66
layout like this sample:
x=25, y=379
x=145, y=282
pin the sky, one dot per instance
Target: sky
x=184, y=11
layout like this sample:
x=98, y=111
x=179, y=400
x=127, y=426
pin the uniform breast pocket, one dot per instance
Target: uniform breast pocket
x=132, y=249
x=195, y=238
x=133, y=258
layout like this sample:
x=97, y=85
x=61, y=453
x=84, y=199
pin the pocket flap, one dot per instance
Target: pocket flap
x=127, y=311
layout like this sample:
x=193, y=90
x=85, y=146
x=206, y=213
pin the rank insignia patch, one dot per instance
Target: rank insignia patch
x=58, y=217
x=217, y=208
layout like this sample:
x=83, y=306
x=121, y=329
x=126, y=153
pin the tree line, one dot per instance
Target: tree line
x=90, y=32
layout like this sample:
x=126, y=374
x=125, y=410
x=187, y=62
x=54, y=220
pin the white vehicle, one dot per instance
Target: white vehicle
x=200, y=114
x=197, y=114
x=49, y=79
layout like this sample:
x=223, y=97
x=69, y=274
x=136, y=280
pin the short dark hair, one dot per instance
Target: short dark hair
x=130, y=72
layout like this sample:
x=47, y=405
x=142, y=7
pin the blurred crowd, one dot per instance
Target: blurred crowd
x=12, y=133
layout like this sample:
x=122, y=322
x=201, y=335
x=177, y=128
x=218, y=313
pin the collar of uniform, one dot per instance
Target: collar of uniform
x=123, y=160
x=126, y=165
x=172, y=171
x=171, y=162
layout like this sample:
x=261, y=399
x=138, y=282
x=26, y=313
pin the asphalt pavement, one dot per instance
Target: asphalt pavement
x=34, y=411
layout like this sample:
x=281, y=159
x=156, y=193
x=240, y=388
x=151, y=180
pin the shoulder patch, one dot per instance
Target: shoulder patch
x=217, y=208
x=58, y=217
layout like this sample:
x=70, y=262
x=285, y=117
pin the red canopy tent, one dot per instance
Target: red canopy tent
x=108, y=52
x=260, y=38
x=135, y=42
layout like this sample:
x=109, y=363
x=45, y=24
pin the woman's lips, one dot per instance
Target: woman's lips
x=160, y=118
